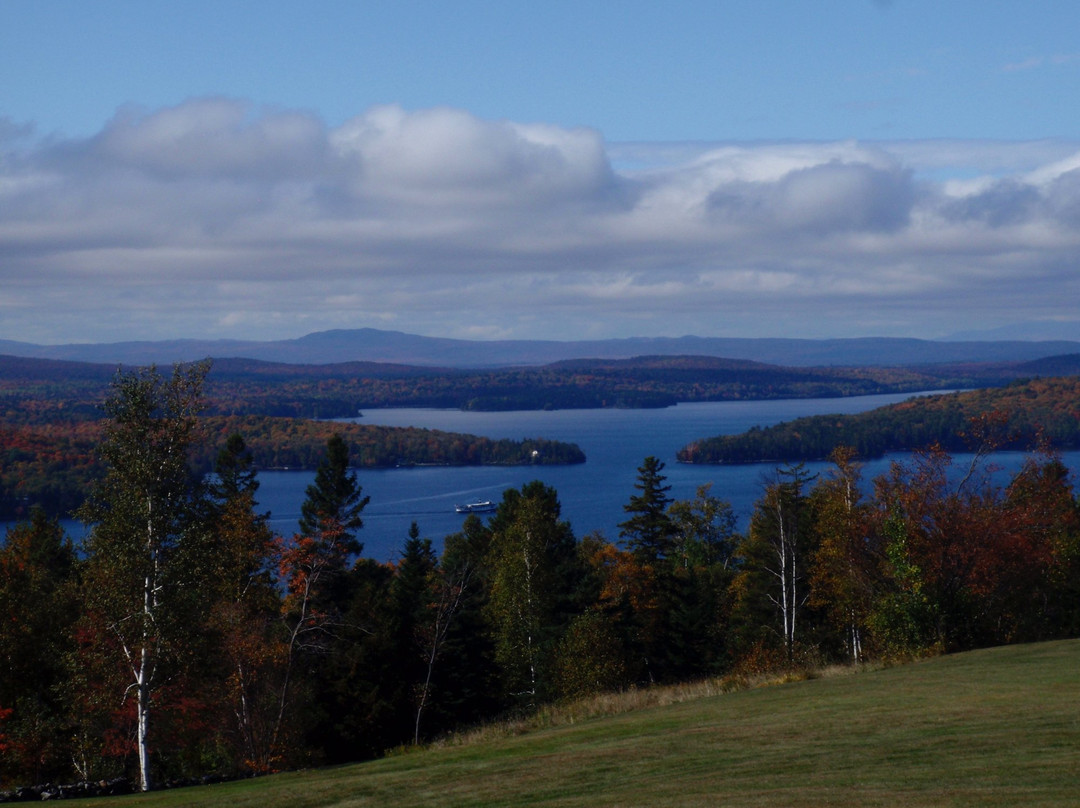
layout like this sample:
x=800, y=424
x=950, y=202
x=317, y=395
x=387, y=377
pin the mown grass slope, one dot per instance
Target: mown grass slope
x=997, y=727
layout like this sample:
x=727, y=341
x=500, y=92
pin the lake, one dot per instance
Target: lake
x=592, y=494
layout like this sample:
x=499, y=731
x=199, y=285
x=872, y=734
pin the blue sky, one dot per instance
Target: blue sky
x=538, y=170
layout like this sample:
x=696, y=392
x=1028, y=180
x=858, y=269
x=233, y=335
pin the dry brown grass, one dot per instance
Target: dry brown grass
x=641, y=698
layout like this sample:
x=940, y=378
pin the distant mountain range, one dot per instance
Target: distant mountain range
x=373, y=345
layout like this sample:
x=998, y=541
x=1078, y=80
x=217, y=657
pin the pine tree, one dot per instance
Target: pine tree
x=38, y=601
x=243, y=607
x=649, y=532
x=315, y=567
x=334, y=497
x=234, y=470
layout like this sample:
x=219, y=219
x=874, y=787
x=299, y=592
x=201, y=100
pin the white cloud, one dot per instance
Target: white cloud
x=217, y=218
x=446, y=156
x=212, y=137
x=1046, y=174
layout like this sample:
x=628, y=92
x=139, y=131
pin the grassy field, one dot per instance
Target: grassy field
x=999, y=727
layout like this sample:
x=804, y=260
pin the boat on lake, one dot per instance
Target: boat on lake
x=487, y=506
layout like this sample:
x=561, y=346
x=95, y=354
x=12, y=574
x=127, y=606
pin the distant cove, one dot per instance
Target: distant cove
x=615, y=442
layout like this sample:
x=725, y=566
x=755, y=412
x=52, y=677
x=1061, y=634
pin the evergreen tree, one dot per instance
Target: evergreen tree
x=369, y=684
x=464, y=685
x=449, y=587
x=414, y=603
x=704, y=528
x=323, y=589
x=360, y=701
x=234, y=470
x=39, y=604
x=649, y=532
x=243, y=610
x=693, y=586
x=334, y=497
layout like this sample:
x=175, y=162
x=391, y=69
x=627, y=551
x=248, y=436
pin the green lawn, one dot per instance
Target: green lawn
x=999, y=727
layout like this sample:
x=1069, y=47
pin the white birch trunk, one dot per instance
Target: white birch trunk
x=529, y=617
x=786, y=570
x=449, y=601
x=143, y=692
x=142, y=675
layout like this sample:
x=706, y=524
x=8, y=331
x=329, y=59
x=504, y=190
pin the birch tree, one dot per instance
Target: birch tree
x=704, y=528
x=841, y=574
x=449, y=586
x=139, y=516
x=777, y=550
x=528, y=544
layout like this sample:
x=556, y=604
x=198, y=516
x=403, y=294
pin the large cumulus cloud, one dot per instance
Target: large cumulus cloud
x=220, y=218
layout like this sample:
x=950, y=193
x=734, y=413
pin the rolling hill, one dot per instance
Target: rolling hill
x=374, y=345
x=48, y=388
x=997, y=727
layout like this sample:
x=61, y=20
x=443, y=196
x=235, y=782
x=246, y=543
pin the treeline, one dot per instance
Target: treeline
x=43, y=391
x=1017, y=417
x=646, y=381
x=50, y=466
x=53, y=466
x=298, y=443
x=188, y=639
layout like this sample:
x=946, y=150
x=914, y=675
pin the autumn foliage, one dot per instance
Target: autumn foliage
x=270, y=652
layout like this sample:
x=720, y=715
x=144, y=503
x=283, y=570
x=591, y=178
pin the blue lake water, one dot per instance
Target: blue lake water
x=592, y=494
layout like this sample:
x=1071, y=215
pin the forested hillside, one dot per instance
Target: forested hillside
x=1019, y=416
x=40, y=391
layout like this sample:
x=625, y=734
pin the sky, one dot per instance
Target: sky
x=556, y=170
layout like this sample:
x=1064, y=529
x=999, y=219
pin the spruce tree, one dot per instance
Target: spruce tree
x=38, y=576
x=649, y=532
x=334, y=497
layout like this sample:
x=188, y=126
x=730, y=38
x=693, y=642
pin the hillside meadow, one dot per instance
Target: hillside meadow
x=994, y=727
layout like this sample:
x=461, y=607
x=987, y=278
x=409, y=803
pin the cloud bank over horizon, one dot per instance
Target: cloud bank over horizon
x=216, y=218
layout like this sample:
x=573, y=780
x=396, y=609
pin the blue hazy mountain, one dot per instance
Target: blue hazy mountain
x=374, y=345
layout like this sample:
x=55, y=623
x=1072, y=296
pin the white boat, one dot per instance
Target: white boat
x=476, y=507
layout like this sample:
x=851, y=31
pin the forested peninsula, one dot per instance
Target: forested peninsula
x=54, y=465
x=1021, y=416
x=51, y=423
x=42, y=390
x=244, y=386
